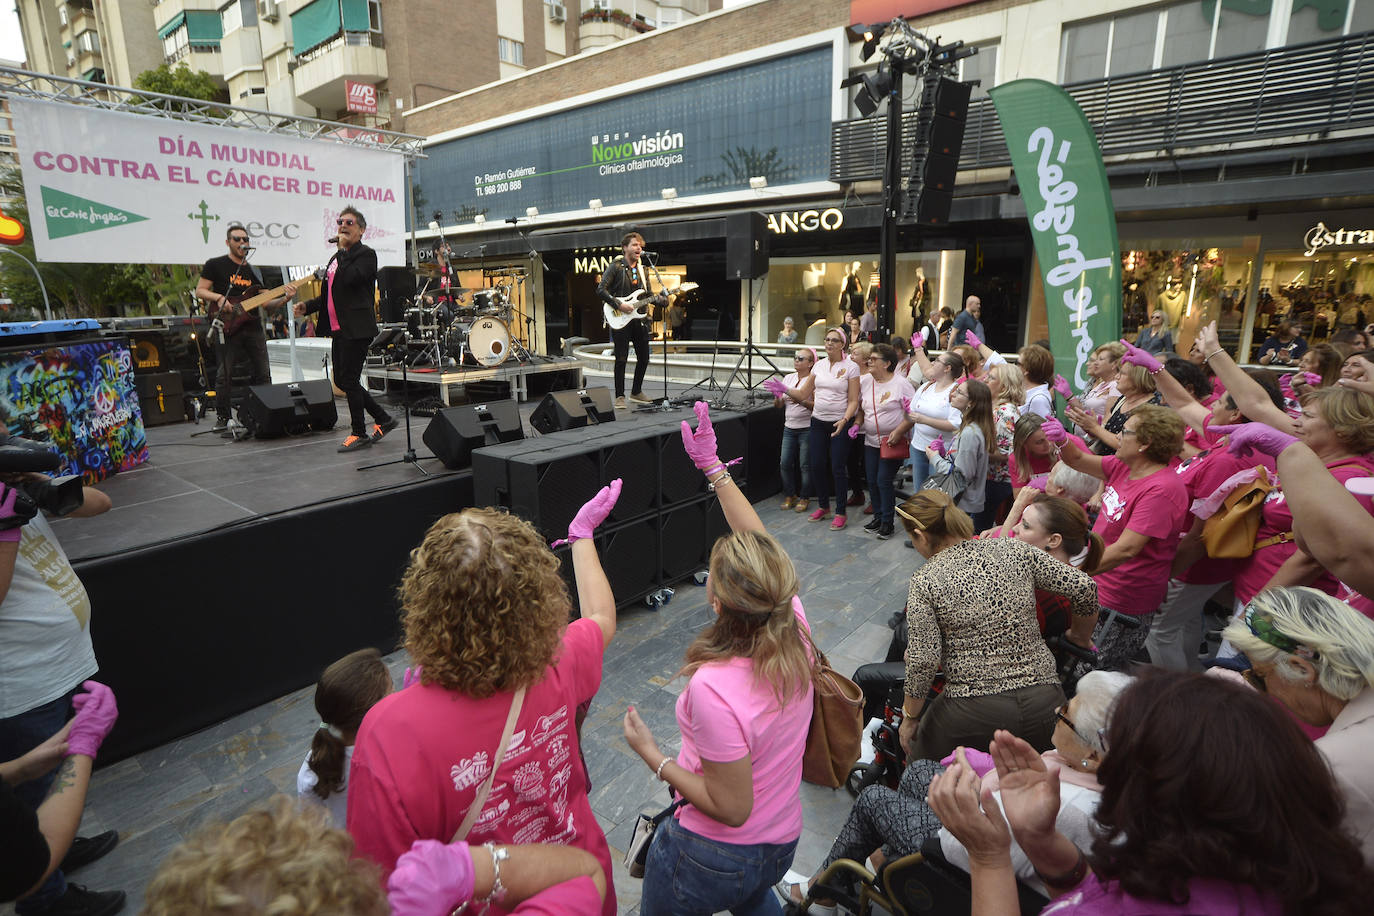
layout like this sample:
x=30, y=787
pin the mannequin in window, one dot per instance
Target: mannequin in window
x=852, y=292
x=920, y=295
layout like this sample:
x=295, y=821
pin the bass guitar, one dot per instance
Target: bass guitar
x=239, y=310
x=618, y=319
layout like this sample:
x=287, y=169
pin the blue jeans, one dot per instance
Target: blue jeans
x=920, y=468
x=19, y=735
x=796, y=448
x=881, y=472
x=829, y=463
x=688, y=874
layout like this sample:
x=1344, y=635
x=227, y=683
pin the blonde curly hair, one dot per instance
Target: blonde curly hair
x=285, y=860
x=484, y=607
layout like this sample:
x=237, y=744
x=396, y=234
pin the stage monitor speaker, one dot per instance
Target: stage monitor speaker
x=291, y=407
x=746, y=245
x=547, y=488
x=573, y=409
x=455, y=432
x=396, y=286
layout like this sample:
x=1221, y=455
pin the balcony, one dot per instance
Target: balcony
x=241, y=51
x=321, y=72
x=1272, y=100
x=79, y=19
x=597, y=28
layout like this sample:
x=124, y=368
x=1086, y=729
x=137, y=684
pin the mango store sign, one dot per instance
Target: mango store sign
x=827, y=220
x=1319, y=237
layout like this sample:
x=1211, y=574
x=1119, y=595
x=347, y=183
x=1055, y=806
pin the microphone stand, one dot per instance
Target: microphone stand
x=409, y=457
x=665, y=403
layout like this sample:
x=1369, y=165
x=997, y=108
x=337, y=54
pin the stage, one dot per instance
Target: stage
x=230, y=572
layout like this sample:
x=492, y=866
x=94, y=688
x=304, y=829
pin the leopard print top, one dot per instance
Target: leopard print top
x=971, y=610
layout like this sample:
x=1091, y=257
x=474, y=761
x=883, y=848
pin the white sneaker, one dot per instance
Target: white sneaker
x=620, y=403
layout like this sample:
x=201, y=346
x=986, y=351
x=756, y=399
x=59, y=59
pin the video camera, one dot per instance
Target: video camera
x=58, y=495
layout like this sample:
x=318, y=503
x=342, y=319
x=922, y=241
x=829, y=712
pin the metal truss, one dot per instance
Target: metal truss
x=49, y=88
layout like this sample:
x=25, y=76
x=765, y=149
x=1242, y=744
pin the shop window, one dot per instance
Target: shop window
x=1192, y=287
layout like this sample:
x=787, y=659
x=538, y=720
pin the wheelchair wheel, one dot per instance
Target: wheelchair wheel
x=863, y=776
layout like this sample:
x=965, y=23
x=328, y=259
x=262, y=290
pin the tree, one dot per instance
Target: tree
x=742, y=164
x=182, y=81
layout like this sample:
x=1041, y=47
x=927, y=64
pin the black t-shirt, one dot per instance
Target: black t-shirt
x=230, y=279
x=23, y=848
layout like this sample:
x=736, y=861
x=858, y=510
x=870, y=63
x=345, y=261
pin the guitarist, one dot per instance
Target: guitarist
x=224, y=281
x=623, y=277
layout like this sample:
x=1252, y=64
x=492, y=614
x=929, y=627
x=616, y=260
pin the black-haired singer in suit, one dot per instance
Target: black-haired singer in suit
x=346, y=315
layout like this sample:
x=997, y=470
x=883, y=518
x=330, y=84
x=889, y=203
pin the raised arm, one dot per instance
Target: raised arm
x=1069, y=452
x=1175, y=395
x=594, y=597
x=700, y=445
x=1250, y=398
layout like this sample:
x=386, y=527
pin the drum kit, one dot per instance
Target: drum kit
x=456, y=326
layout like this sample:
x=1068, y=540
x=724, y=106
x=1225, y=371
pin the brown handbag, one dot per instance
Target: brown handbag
x=835, y=737
x=1230, y=533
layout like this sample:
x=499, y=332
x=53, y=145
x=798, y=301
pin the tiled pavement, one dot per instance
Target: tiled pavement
x=851, y=583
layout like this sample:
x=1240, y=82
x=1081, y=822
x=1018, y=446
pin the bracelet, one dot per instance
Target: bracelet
x=659, y=772
x=1213, y=353
x=1157, y=369
x=498, y=890
x=718, y=466
x=723, y=478
x=1071, y=878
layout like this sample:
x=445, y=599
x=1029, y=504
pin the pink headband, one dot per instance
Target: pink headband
x=843, y=333
x=812, y=352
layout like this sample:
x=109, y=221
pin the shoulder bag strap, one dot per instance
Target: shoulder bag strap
x=477, y=803
x=873, y=398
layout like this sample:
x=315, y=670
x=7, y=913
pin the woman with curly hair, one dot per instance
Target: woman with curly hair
x=744, y=715
x=1213, y=801
x=484, y=747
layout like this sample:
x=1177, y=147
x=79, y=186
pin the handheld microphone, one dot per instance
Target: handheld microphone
x=333, y=241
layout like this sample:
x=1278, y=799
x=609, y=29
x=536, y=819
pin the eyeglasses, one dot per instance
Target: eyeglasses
x=1255, y=680
x=238, y=238
x=834, y=340
x=1059, y=714
x=345, y=222
x=799, y=358
x=873, y=359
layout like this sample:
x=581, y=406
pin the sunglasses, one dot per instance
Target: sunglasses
x=238, y=238
x=834, y=340
x=799, y=359
x=345, y=222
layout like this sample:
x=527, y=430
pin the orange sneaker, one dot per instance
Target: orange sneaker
x=353, y=443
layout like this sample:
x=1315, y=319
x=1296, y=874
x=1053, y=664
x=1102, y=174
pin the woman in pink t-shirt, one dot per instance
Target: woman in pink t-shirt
x=744, y=715
x=833, y=389
x=882, y=393
x=1143, y=506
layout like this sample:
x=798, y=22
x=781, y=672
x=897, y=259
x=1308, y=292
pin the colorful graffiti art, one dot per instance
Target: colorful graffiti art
x=85, y=395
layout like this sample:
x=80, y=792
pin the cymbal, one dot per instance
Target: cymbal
x=508, y=272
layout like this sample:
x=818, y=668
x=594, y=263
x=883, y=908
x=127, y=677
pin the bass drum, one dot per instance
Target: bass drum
x=486, y=341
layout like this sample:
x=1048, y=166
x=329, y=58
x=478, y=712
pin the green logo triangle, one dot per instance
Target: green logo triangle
x=68, y=214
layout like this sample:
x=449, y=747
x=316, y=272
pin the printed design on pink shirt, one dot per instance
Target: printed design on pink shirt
x=841, y=373
x=558, y=750
x=547, y=725
x=471, y=771
x=531, y=832
x=884, y=398
x=491, y=814
x=527, y=781
x=1113, y=504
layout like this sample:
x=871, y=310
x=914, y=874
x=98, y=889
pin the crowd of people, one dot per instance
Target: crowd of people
x=1137, y=784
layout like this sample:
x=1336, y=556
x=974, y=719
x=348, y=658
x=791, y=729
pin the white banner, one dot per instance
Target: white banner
x=113, y=187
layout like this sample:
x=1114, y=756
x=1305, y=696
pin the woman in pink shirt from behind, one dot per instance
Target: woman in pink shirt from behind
x=1143, y=507
x=744, y=715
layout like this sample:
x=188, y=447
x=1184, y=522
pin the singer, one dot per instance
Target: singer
x=624, y=278
x=236, y=335
x=346, y=314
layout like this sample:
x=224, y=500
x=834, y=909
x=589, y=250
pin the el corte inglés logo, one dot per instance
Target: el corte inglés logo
x=67, y=214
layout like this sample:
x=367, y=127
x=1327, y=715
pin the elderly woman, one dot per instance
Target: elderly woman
x=1315, y=655
x=744, y=716
x=885, y=426
x=484, y=748
x=1138, y=387
x=1102, y=370
x=971, y=613
x=887, y=824
x=1143, y=508
x=1213, y=801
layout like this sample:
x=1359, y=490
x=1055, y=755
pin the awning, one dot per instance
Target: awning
x=172, y=25
x=203, y=27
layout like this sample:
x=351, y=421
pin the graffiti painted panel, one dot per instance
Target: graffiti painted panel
x=84, y=393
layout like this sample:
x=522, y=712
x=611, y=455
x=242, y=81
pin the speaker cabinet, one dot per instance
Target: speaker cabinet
x=396, y=289
x=572, y=409
x=291, y=407
x=746, y=245
x=455, y=432
x=161, y=398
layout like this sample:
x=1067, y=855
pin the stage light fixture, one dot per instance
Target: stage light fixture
x=595, y=203
x=531, y=212
x=668, y=193
x=872, y=35
x=758, y=182
x=876, y=86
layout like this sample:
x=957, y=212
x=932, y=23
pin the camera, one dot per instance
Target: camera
x=58, y=495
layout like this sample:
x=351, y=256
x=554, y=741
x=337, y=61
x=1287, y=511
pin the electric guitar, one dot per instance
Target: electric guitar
x=618, y=319
x=234, y=319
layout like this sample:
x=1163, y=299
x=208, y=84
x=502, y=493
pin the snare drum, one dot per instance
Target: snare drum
x=490, y=302
x=486, y=341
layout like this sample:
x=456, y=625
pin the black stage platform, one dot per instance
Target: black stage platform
x=230, y=573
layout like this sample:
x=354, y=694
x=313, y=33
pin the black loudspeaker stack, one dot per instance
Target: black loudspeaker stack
x=666, y=520
x=291, y=407
x=746, y=245
x=939, y=139
x=573, y=409
x=396, y=289
x=455, y=432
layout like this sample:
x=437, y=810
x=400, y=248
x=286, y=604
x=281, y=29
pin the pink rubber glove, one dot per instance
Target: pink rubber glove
x=1254, y=437
x=1054, y=431
x=853, y=431
x=980, y=761
x=8, y=496
x=700, y=444
x=95, y=716
x=1311, y=379
x=411, y=677
x=1138, y=357
x=592, y=513
x=775, y=387
x=972, y=340
x=938, y=446
x=430, y=879
x=1061, y=385
x=918, y=339
x=906, y=404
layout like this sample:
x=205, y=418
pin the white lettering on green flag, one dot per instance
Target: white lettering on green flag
x=1069, y=205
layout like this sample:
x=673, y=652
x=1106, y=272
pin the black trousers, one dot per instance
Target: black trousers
x=247, y=346
x=349, y=353
x=635, y=332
